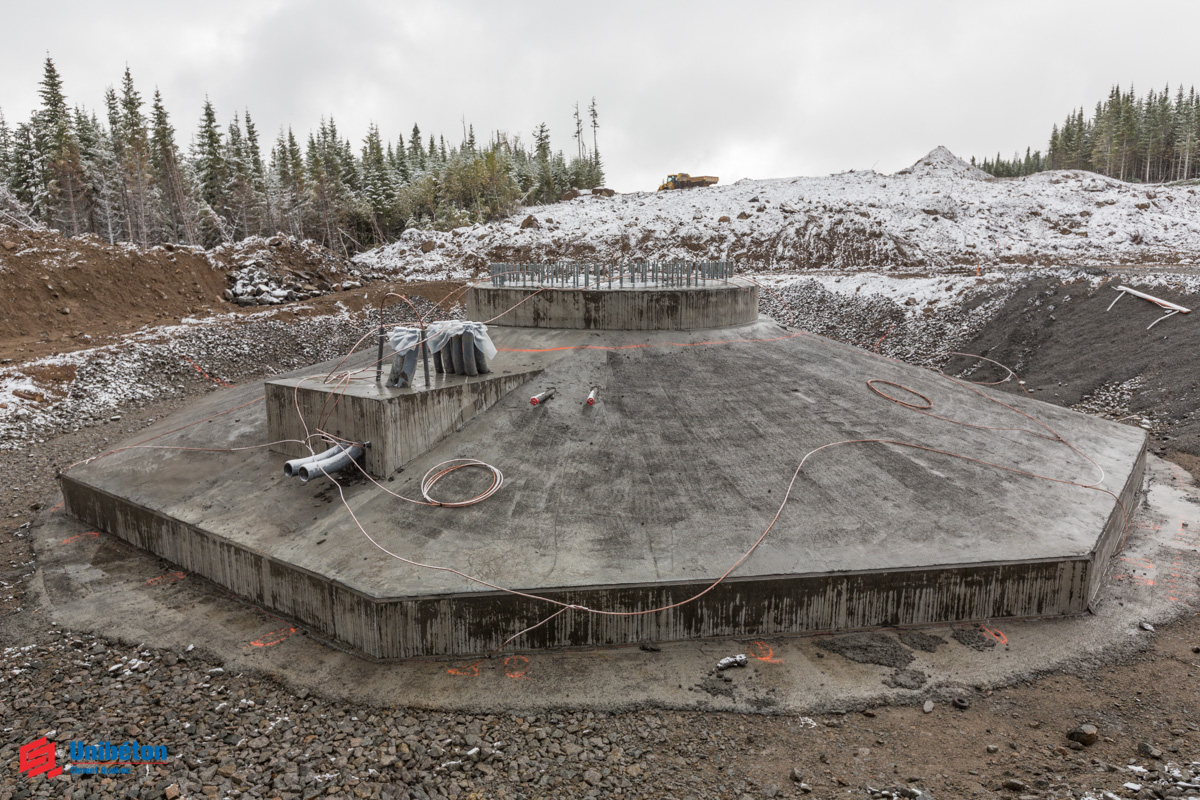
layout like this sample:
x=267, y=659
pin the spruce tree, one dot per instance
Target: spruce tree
x=287, y=170
x=401, y=161
x=597, y=173
x=102, y=176
x=175, y=206
x=25, y=168
x=415, y=151
x=6, y=145
x=63, y=196
x=212, y=175
x=578, y=134
x=135, y=162
x=243, y=201
x=379, y=187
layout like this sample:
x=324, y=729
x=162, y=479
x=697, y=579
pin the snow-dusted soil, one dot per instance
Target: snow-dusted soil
x=938, y=213
x=81, y=389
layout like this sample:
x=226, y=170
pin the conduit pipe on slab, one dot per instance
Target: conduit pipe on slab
x=291, y=468
x=327, y=466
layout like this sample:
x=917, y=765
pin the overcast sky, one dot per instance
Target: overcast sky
x=734, y=89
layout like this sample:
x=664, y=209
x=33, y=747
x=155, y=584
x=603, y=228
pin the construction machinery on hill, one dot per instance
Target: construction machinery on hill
x=684, y=181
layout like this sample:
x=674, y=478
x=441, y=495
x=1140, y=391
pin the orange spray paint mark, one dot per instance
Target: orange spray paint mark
x=164, y=580
x=516, y=666
x=470, y=671
x=274, y=637
x=764, y=652
x=217, y=381
x=88, y=535
x=998, y=635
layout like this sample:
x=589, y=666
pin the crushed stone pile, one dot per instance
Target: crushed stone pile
x=918, y=320
x=268, y=271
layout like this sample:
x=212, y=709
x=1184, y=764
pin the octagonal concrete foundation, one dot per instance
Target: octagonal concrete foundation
x=644, y=499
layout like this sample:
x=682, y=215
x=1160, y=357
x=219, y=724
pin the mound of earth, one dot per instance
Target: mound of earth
x=63, y=293
x=1070, y=349
x=56, y=288
x=940, y=160
x=937, y=214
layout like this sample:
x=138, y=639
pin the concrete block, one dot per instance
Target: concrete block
x=719, y=306
x=400, y=424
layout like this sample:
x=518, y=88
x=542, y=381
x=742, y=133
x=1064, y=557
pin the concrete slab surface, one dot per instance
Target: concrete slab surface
x=98, y=583
x=646, y=498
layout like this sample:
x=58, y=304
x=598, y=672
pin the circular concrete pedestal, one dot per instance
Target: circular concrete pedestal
x=676, y=309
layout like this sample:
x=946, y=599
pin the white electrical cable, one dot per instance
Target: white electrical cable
x=446, y=467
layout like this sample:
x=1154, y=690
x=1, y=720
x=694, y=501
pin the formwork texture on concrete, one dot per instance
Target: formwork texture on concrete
x=713, y=305
x=398, y=424
x=644, y=499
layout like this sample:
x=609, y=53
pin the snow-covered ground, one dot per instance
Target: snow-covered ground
x=940, y=212
x=83, y=388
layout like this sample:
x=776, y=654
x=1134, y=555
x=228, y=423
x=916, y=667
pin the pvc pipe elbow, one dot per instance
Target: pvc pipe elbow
x=292, y=468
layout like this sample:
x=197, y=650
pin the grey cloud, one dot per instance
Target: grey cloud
x=756, y=89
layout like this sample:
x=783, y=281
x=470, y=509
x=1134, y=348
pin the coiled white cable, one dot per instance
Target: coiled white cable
x=446, y=467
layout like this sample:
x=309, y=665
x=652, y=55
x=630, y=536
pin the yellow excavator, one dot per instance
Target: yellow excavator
x=684, y=181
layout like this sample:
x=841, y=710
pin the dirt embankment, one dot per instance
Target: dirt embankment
x=1052, y=326
x=59, y=293
x=55, y=289
x=1071, y=351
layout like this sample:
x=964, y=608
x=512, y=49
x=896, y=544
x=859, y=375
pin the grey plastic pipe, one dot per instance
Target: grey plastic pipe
x=328, y=466
x=467, y=343
x=292, y=468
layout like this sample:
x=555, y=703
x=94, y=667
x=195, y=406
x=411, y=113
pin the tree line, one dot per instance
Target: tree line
x=1151, y=139
x=125, y=177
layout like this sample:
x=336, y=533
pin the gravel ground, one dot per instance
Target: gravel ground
x=242, y=735
x=238, y=735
